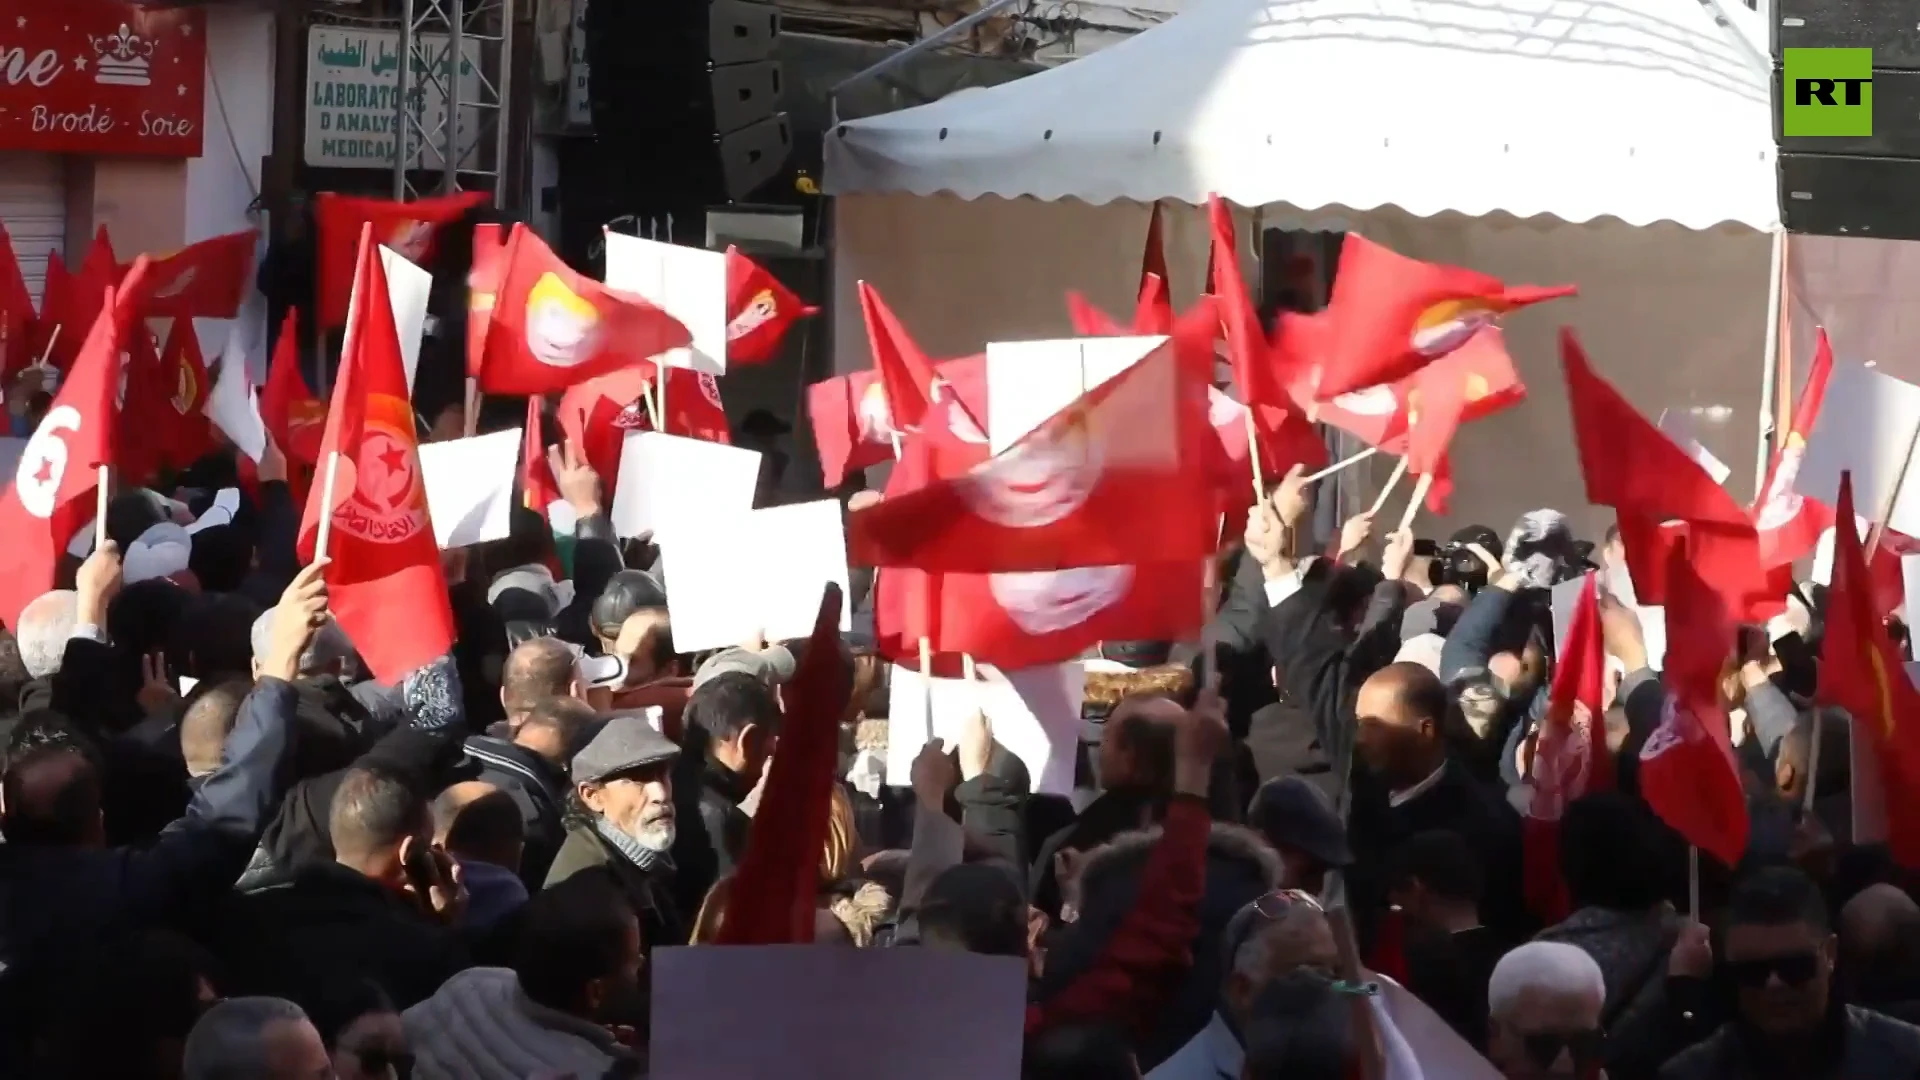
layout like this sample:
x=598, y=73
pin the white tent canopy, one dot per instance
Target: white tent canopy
x=1641, y=110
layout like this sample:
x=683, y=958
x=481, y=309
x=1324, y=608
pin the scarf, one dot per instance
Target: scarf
x=632, y=850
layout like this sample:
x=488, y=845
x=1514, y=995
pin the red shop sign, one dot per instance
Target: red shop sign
x=97, y=77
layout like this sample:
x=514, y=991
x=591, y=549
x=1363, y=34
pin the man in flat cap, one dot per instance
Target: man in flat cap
x=622, y=819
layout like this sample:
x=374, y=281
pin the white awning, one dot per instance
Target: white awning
x=1640, y=110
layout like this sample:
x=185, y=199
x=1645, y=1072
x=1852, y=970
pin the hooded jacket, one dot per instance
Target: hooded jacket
x=481, y=1026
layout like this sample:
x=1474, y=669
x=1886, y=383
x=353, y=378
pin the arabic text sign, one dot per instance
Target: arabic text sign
x=98, y=77
x=353, y=77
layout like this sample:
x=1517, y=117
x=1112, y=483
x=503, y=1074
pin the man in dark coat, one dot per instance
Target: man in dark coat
x=623, y=819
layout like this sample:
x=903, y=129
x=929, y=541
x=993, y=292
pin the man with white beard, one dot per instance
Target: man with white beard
x=622, y=818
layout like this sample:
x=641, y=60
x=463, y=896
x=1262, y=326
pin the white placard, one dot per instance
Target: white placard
x=233, y=405
x=1867, y=422
x=687, y=283
x=1678, y=427
x=666, y=480
x=758, y=574
x=1821, y=573
x=353, y=83
x=1035, y=714
x=1910, y=581
x=1653, y=620
x=850, y=1014
x=470, y=487
x=1030, y=381
x=407, y=289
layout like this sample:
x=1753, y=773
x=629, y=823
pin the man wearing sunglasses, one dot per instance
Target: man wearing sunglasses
x=1778, y=956
x=1543, y=1013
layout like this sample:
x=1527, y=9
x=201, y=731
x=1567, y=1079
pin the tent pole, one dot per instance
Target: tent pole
x=931, y=41
x=1770, y=378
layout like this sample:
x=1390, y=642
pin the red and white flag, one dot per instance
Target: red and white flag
x=759, y=311
x=1570, y=755
x=51, y=495
x=1789, y=523
x=382, y=555
x=411, y=229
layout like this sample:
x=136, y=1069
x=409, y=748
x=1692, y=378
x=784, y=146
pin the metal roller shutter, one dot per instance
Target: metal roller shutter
x=33, y=206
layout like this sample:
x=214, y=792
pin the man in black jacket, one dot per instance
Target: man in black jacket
x=531, y=768
x=732, y=722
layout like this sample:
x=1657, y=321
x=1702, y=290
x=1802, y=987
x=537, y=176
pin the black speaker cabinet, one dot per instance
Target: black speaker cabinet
x=1896, y=119
x=1845, y=195
x=1891, y=28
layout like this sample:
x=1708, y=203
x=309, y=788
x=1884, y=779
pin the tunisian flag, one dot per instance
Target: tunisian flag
x=853, y=422
x=1393, y=315
x=759, y=310
x=1570, y=756
x=293, y=417
x=1688, y=773
x=409, y=228
x=1789, y=523
x=51, y=494
x=552, y=328
x=1107, y=480
x=1860, y=671
x=382, y=556
x=204, y=280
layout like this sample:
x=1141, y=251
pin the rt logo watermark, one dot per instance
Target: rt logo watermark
x=1828, y=92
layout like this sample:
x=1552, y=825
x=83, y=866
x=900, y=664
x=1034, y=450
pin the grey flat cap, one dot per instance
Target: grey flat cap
x=626, y=743
x=772, y=665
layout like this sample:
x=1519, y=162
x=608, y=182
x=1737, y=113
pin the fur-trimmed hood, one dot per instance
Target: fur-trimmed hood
x=1126, y=854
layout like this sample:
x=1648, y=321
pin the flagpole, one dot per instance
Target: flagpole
x=1386, y=490
x=51, y=339
x=1345, y=462
x=1813, y=764
x=100, y=499
x=1693, y=882
x=1420, y=488
x=1892, y=496
x=660, y=389
x=1775, y=348
x=473, y=407
x=326, y=506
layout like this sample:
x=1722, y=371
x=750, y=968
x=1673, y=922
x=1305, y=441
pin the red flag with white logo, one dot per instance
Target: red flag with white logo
x=183, y=370
x=1072, y=492
x=409, y=228
x=1570, y=756
x=206, y=280
x=382, y=555
x=483, y=287
x=1789, y=523
x=1688, y=772
x=552, y=328
x=1392, y=315
x=759, y=311
x=51, y=496
x=854, y=426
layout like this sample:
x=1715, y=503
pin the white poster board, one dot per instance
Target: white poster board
x=1678, y=426
x=687, y=283
x=407, y=288
x=847, y=1014
x=730, y=584
x=666, y=480
x=1866, y=426
x=1034, y=712
x=470, y=487
x=1030, y=381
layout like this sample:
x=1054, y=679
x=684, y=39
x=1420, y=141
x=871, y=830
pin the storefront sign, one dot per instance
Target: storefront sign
x=97, y=77
x=353, y=79
x=579, y=104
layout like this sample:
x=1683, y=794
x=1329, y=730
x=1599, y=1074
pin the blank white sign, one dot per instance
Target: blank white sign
x=687, y=283
x=734, y=577
x=667, y=480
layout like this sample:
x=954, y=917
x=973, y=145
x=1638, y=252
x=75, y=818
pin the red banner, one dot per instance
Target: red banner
x=98, y=77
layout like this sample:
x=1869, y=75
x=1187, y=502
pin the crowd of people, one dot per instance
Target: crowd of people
x=229, y=854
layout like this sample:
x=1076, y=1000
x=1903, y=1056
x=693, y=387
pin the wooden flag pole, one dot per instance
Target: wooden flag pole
x=472, y=425
x=100, y=500
x=51, y=340
x=1253, y=454
x=1386, y=489
x=1693, y=882
x=660, y=390
x=326, y=506
x=1807, y=794
x=1892, y=497
x=1345, y=462
x=1420, y=488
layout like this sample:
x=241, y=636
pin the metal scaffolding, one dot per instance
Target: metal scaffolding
x=460, y=53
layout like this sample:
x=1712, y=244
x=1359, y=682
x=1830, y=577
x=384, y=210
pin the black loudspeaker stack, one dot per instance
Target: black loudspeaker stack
x=686, y=99
x=1844, y=185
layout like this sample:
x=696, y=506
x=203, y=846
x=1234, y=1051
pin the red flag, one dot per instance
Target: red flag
x=410, y=229
x=1394, y=315
x=759, y=310
x=774, y=889
x=100, y=270
x=204, y=280
x=183, y=371
x=596, y=415
x=1069, y=493
x=142, y=397
x=16, y=312
x=1471, y=382
x=1688, y=773
x=1789, y=524
x=1860, y=670
x=58, y=320
x=693, y=405
x=904, y=370
x=51, y=494
x=288, y=409
x=552, y=328
x=1286, y=438
x=538, y=490
x=1153, y=307
x=483, y=284
x=854, y=426
x=1570, y=756
x=382, y=556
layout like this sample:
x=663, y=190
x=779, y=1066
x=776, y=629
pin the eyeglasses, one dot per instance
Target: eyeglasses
x=1545, y=1047
x=1276, y=904
x=1794, y=969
